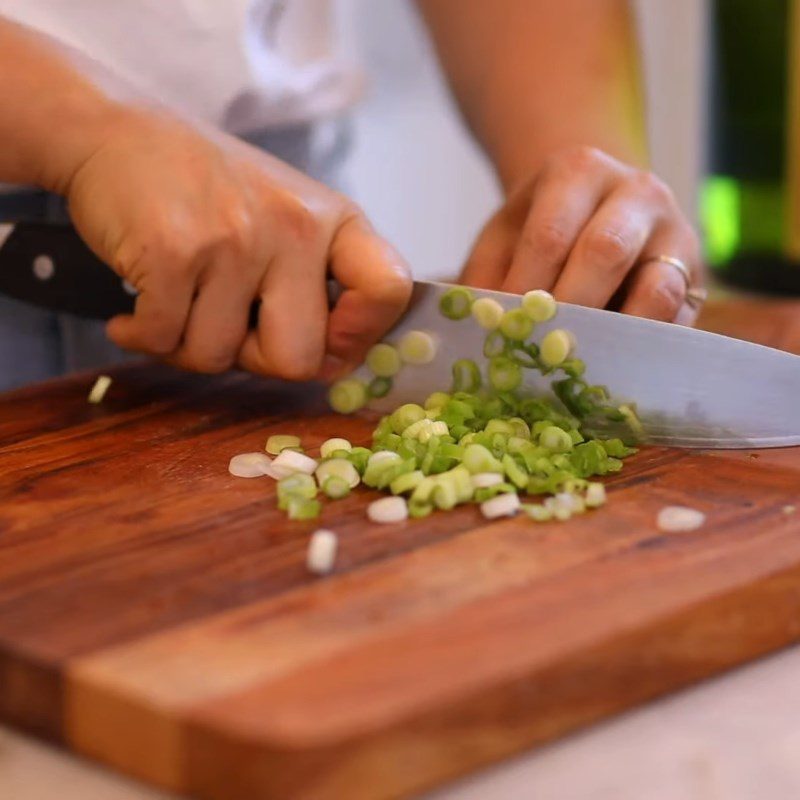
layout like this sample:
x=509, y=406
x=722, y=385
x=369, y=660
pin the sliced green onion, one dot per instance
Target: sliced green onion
x=516, y=474
x=445, y=495
x=290, y=461
x=539, y=305
x=338, y=468
x=336, y=487
x=537, y=512
x=466, y=376
x=417, y=347
x=483, y=480
x=595, y=495
x=330, y=446
x=437, y=400
x=456, y=303
x=387, y=510
x=383, y=360
x=494, y=345
x=279, y=442
x=406, y=482
x=358, y=457
x=499, y=426
x=488, y=313
x=98, y=391
x=556, y=347
x=406, y=415
x=418, y=509
x=504, y=374
x=503, y=505
x=301, y=509
x=516, y=325
x=424, y=490
x=487, y=493
x=555, y=439
x=347, y=396
x=379, y=387
x=478, y=459
x=250, y=465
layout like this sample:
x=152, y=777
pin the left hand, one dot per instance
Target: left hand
x=587, y=228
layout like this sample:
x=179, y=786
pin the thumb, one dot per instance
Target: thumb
x=376, y=284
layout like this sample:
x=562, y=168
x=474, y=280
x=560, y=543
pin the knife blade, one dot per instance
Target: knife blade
x=690, y=388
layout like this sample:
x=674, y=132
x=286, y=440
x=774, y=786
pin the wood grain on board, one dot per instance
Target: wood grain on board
x=156, y=614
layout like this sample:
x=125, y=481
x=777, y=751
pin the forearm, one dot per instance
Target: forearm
x=533, y=76
x=55, y=109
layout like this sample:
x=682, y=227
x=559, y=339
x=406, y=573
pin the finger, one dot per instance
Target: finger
x=607, y=249
x=217, y=323
x=564, y=201
x=377, y=286
x=160, y=313
x=656, y=289
x=290, y=339
x=487, y=263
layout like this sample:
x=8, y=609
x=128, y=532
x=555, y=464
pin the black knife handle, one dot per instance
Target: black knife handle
x=49, y=265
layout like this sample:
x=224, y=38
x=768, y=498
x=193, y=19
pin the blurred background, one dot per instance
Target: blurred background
x=415, y=170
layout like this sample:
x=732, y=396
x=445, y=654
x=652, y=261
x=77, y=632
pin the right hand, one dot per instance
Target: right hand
x=202, y=224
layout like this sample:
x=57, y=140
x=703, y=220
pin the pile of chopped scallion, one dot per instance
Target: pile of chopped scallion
x=485, y=441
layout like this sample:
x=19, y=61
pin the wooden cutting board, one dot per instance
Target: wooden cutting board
x=156, y=614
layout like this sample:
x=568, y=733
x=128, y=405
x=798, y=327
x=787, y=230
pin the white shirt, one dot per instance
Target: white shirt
x=243, y=65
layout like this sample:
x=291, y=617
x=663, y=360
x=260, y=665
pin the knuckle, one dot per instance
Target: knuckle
x=297, y=221
x=608, y=248
x=551, y=240
x=236, y=232
x=581, y=158
x=649, y=185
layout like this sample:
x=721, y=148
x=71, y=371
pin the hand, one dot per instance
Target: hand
x=586, y=228
x=202, y=224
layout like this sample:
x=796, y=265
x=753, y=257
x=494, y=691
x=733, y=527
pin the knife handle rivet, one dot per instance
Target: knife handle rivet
x=44, y=267
x=130, y=288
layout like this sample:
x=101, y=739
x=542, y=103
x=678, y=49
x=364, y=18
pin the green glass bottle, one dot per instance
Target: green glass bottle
x=750, y=198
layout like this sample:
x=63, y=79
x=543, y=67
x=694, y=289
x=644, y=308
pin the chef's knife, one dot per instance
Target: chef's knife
x=691, y=388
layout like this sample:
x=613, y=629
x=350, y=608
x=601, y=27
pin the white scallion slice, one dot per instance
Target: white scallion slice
x=289, y=461
x=250, y=465
x=321, y=554
x=388, y=510
x=330, y=446
x=488, y=313
x=384, y=360
x=417, y=347
x=339, y=468
x=503, y=505
x=539, y=305
x=483, y=480
x=439, y=428
x=98, y=391
x=595, y=495
x=679, y=519
x=279, y=442
x=556, y=347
